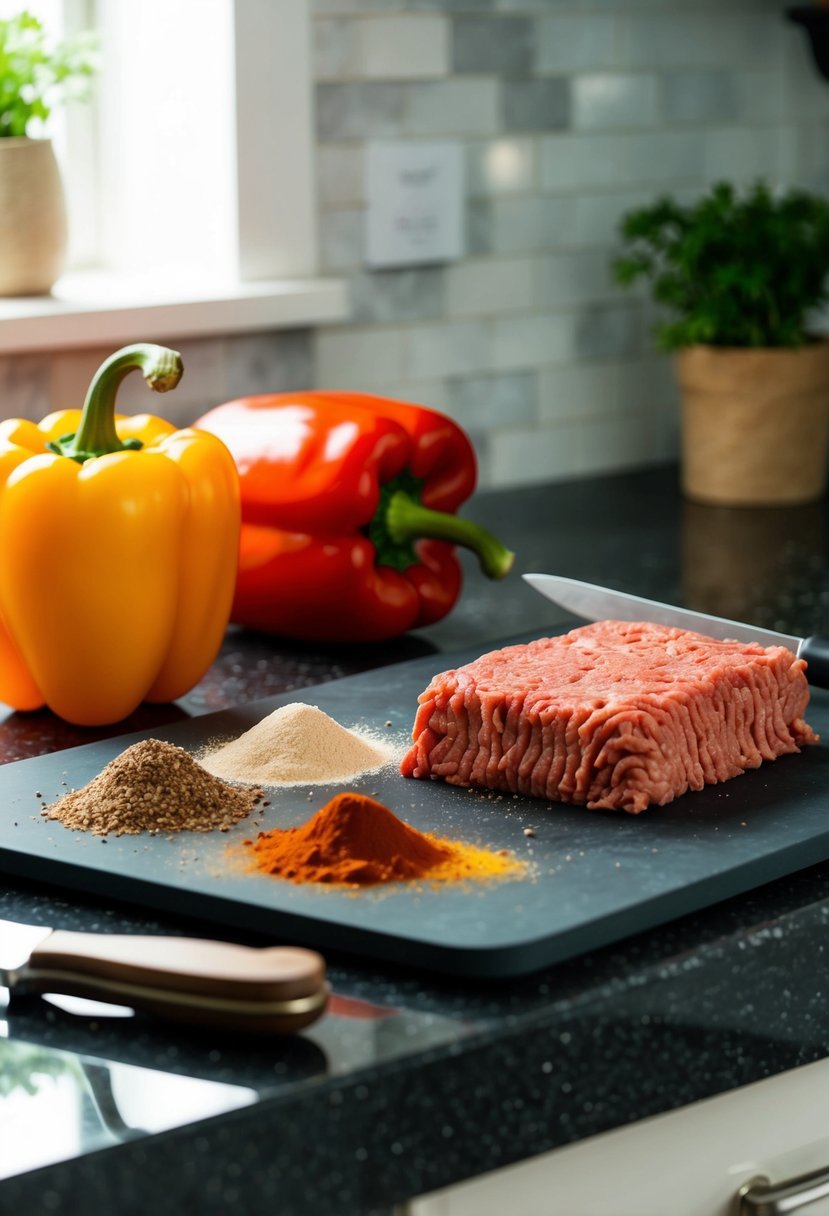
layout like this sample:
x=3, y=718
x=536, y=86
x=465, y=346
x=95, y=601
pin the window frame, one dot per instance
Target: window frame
x=273, y=278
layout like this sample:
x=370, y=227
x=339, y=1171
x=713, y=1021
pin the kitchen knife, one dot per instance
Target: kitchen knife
x=269, y=990
x=604, y=604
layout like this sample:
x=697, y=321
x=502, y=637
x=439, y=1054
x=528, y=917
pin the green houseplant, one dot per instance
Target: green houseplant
x=736, y=277
x=36, y=74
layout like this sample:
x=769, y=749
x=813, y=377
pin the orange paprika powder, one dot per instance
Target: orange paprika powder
x=356, y=840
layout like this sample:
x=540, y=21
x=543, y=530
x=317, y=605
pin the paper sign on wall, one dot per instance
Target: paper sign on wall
x=415, y=203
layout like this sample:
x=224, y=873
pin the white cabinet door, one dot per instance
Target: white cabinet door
x=691, y=1162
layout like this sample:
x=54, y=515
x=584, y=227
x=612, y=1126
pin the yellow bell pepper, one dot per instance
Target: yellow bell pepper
x=119, y=541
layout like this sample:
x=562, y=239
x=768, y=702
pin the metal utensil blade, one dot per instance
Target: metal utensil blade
x=596, y=603
x=17, y=942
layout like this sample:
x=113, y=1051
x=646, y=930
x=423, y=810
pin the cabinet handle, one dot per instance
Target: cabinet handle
x=760, y=1197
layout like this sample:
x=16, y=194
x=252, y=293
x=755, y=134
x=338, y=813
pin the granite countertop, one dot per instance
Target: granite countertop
x=414, y=1081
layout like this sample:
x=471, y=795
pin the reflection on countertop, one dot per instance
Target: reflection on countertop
x=760, y=564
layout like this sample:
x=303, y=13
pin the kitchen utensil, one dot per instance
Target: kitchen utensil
x=273, y=990
x=596, y=603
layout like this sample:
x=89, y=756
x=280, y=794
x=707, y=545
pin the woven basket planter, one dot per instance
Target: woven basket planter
x=755, y=424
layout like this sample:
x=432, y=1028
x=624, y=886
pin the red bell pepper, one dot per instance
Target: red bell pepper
x=348, y=514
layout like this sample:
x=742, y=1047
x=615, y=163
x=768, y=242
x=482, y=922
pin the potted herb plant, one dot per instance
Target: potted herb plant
x=737, y=277
x=36, y=74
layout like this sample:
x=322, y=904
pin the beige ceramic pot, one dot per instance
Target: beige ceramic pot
x=755, y=424
x=33, y=227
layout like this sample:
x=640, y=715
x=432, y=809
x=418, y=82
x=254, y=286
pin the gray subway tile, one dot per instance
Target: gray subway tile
x=579, y=43
x=605, y=331
x=578, y=390
x=522, y=455
x=446, y=349
x=268, y=363
x=334, y=48
x=536, y=105
x=759, y=97
x=480, y=227
x=662, y=156
x=486, y=45
x=321, y=8
x=452, y=107
x=340, y=175
x=739, y=153
x=482, y=402
x=579, y=162
x=450, y=6
x=408, y=47
x=600, y=215
x=490, y=286
x=698, y=96
x=398, y=295
x=360, y=357
x=686, y=39
x=534, y=339
x=574, y=276
x=813, y=154
x=501, y=166
x=512, y=225
x=532, y=224
x=611, y=100
x=342, y=239
x=532, y=6
x=359, y=110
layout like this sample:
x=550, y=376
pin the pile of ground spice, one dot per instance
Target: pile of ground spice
x=155, y=787
x=297, y=744
x=357, y=840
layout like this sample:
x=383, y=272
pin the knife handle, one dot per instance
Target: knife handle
x=272, y=990
x=815, y=651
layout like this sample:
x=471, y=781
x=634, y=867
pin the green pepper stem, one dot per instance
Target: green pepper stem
x=96, y=435
x=407, y=519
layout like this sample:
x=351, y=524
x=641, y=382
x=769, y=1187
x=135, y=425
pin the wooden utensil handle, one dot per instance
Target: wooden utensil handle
x=274, y=988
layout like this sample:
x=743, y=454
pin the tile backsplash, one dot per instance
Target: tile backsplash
x=568, y=112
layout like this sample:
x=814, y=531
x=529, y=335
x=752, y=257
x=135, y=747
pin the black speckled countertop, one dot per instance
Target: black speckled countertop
x=413, y=1082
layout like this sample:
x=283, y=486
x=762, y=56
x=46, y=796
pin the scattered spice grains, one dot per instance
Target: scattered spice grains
x=154, y=787
x=357, y=841
x=297, y=744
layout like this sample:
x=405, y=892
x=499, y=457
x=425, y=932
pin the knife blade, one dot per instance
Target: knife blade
x=595, y=603
x=269, y=990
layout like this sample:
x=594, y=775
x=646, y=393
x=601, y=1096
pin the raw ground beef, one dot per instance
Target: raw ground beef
x=614, y=715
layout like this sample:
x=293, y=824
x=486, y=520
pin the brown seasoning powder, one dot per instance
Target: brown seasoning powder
x=155, y=787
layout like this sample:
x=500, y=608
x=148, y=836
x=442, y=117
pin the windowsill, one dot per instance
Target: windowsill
x=98, y=309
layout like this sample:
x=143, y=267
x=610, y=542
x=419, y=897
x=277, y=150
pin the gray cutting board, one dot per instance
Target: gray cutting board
x=596, y=877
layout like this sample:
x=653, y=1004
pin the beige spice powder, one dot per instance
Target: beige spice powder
x=155, y=787
x=297, y=744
